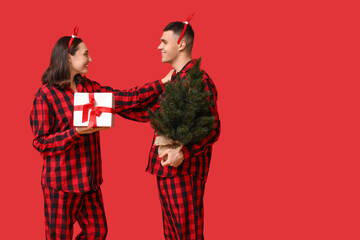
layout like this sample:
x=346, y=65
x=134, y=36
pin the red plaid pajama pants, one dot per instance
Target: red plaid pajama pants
x=181, y=200
x=63, y=209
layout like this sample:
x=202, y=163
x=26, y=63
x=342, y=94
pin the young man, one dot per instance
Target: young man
x=181, y=175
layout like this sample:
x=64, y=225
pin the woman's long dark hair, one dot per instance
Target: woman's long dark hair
x=58, y=73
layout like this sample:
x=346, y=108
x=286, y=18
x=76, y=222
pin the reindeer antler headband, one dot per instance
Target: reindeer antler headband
x=185, y=27
x=73, y=36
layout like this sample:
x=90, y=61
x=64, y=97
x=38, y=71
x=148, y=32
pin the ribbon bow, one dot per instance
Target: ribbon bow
x=185, y=27
x=95, y=111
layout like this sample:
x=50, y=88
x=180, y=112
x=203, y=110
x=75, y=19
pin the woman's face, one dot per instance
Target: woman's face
x=78, y=63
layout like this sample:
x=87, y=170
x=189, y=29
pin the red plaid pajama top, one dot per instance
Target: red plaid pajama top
x=197, y=156
x=72, y=162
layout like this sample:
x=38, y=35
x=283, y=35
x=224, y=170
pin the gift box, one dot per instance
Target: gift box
x=94, y=110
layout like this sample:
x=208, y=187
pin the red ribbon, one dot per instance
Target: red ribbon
x=95, y=111
x=75, y=33
x=185, y=27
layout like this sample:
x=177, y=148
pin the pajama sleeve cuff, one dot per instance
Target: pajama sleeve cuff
x=159, y=86
x=186, y=153
x=75, y=136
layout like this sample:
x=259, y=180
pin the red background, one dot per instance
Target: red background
x=287, y=72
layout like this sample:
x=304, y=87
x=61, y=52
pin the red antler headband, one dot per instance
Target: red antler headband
x=76, y=30
x=185, y=27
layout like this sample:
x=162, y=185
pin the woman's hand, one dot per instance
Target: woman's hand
x=86, y=130
x=167, y=78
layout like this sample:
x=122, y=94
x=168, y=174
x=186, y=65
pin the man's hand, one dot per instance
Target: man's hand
x=172, y=157
x=86, y=130
x=167, y=78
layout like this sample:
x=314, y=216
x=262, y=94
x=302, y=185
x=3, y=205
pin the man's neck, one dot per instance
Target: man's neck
x=180, y=63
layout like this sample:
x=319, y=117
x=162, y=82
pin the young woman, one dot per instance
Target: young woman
x=71, y=175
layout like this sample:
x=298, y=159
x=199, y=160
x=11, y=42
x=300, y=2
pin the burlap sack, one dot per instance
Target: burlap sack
x=165, y=143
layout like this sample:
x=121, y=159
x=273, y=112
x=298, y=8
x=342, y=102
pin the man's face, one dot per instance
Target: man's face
x=169, y=47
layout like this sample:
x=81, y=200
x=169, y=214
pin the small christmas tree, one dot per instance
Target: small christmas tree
x=184, y=115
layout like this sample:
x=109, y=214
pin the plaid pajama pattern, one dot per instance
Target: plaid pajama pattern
x=63, y=209
x=72, y=173
x=197, y=156
x=182, y=188
x=181, y=199
x=72, y=162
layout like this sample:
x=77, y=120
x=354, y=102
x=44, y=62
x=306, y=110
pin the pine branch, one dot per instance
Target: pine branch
x=184, y=114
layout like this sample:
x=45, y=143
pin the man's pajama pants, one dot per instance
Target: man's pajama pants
x=181, y=200
x=63, y=209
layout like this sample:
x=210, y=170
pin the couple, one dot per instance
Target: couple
x=71, y=175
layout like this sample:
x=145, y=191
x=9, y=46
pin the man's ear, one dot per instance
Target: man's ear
x=182, y=45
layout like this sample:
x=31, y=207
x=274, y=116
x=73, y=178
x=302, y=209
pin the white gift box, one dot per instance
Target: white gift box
x=104, y=103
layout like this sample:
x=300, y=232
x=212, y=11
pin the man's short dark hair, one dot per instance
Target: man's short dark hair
x=177, y=28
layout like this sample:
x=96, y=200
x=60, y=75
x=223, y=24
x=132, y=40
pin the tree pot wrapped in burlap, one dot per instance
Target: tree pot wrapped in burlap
x=165, y=143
